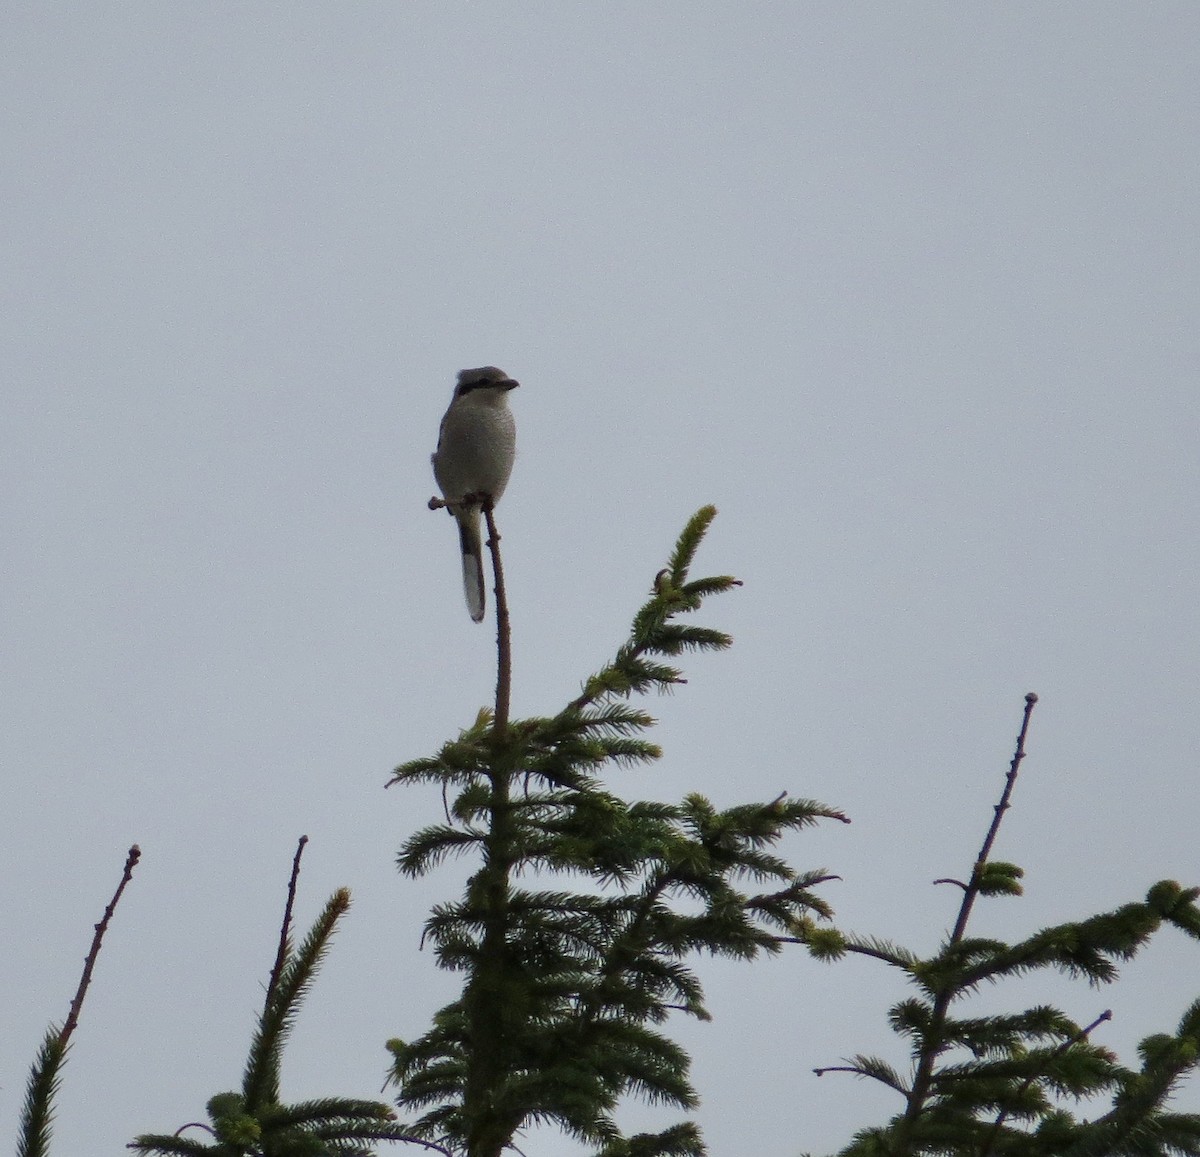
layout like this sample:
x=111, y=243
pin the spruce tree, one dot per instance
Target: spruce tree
x=575, y=933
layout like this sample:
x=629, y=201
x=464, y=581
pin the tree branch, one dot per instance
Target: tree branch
x=1081, y=1035
x=503, y=632
x=286, y=927
x=964, y=913
x=931, y=1046
x=64, y=1036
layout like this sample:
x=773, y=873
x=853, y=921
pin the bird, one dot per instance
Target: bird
x=477, y=442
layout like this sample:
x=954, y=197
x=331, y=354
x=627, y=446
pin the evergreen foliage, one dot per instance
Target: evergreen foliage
x=37, y=1113
x=566, y=990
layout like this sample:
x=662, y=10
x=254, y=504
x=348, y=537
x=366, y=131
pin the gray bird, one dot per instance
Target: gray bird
x=474, y=457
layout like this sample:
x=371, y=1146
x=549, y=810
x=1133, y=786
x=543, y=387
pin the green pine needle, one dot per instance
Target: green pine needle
x=37, y=1113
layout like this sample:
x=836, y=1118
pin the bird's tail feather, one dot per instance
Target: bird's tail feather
x=472, y=561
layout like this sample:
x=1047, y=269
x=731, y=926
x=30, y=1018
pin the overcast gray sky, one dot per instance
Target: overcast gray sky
x=909, y=291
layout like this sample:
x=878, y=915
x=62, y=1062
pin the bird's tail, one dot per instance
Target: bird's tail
x=472, y=560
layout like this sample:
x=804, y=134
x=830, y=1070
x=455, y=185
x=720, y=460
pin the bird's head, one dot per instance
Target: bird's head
x=486, y=385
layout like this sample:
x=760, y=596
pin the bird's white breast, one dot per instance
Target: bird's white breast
x=475, y=451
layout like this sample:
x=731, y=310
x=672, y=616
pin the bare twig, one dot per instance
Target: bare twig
x=415, y=1141
x=1081, y=1035
x=859, y=1071
x=941, y=1004
x=1010, y=782
x=381, y=1136
x=286, y=927
x=64, y=1035
x=503, y=633
x=190, y=1125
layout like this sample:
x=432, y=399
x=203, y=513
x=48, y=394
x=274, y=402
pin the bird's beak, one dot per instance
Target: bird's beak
x=510, y=384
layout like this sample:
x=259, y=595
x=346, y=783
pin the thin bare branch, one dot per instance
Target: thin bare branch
x=286, y=928
x=923, y=1078
x=503, y=633
x=415, y=1141
x=64, y=1036
x=1010, y=782
x=1081, y=1035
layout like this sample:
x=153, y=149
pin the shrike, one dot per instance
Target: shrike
x=474, y=457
